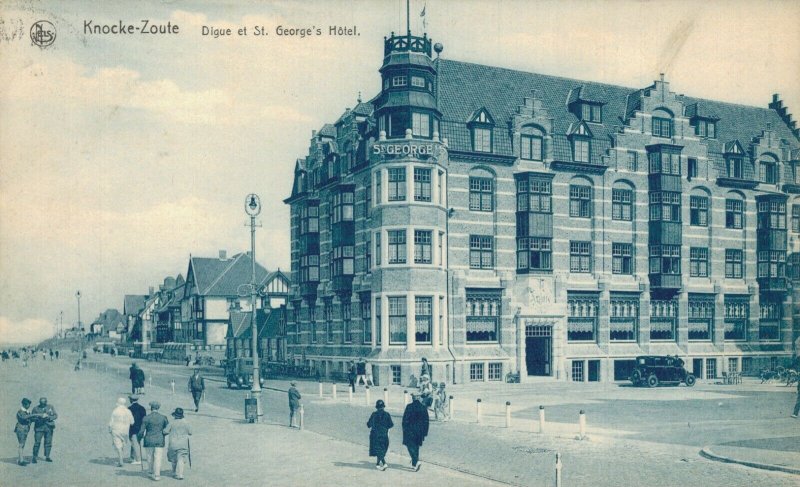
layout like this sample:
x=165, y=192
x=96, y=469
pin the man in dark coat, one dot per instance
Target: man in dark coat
x=134, y=433
x=44, y=417
x=294, y=402
x=379, y=424
x=139, y=380
x=415, y=428
x=797, y=403
x=196, y=386
x=133, y=376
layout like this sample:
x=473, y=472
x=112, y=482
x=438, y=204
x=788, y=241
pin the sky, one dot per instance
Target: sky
x=121, y=155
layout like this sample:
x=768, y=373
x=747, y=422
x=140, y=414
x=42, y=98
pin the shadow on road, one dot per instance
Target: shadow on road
x=367, y=465
x=104, y=461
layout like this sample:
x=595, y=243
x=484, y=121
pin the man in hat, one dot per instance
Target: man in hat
x=294, y=402
x=196, y=386
x=119, y=427
x=415, y=428
x=134, y=432
x=179, y=432
x=133, y=375
x=44, y=416
x=153, y=426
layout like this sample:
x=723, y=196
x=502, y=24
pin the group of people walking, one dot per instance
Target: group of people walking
x=415, y=429
x=43, y=418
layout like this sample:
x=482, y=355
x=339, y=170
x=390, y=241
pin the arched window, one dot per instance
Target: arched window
x=580, y=198
x=699, y=207
x=622, y=201
x=662, y=123
x=734, y=210
x=481, y=190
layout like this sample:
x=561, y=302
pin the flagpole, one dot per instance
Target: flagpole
x=408, y=17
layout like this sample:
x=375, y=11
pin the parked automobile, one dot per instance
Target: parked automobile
x=660, y=369
x=239, y=372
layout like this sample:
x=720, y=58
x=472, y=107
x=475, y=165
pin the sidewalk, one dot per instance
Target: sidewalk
x=225, y=449
x=776, y=454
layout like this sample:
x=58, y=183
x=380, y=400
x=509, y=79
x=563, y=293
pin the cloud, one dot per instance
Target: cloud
x=24, y=332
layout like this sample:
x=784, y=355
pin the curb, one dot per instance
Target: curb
x=707, y=453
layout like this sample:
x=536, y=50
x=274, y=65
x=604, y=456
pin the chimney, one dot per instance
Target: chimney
x=223, y=254
x=151, y=290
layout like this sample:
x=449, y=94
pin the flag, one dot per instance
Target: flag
x=424, y=19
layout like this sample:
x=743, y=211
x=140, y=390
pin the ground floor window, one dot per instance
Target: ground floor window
x=711, y=368
x=624, y=317
x=396, y=374
x=483, y=316
x=423, y=318
x=476, y=372
x=733, y=364
x=582, y=320
x=701, y=316
x=747, y=365
x=663, y=316
x=737, y=314
x=577, y=371
x=397, y=320
x=496, y=371
x=769, y=324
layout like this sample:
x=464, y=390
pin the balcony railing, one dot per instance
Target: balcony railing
x=407, y=43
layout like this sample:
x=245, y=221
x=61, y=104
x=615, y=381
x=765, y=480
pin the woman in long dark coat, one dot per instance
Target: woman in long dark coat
x=379, y=424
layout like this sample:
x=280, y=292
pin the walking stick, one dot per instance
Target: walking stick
x=189, y=445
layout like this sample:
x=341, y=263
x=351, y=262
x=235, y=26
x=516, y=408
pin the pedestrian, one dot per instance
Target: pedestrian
x=797, y=403
x=379, y=424
x=351, y=376
x=51, y=354
x=179, y=432
x=135, y=431
x=153, y=426
x=188, y=360
x=361, y=371
x=23, y=427
x=415, y=428
x=426, y=369
x=197, y=385
x=119, y=426
x=139, y=381
x=133, y=376
x=294, y=402
x=44, y=418
x=56, y=354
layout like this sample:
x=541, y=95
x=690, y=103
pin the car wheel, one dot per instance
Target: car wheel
x=652, y=381
x=690, y=380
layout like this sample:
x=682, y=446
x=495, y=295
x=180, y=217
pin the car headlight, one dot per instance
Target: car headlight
x=240, y=380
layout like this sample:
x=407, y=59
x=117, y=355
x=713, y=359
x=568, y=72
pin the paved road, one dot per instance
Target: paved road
x=637, y=436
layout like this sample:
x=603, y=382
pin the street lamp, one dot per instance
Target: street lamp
x=80, y=325
x=252, y=206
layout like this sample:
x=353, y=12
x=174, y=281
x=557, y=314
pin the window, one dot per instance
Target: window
x=622, y=258
x=747, y=365
x=422, y=246
x=418, y=81
x=771, y=263
x=483, y=316
x=705, y=128
x=530, y=148
x=422, y=184
x=312, y=317
x=367, y=196
x=420, y=124
x=768, y=172
x=665, y=206
x=441, y=250
x=378, y=193
x=399, y=81
x=309, y=220
x=580, y=201
x=691, y=168
x=481, y=252
x=698, y=211
x=397, y=246
x=396, y=374
x=480, y=194
x=342, y=263
x=665, y=259
x=397, y=184
x=770, y=314
x=737, y=316
x=378, y=325
x=582, y=320
x=327, y=313
x=621, y=204
x=534, y=254
x=309, y=268
x=796, y=218
x=662, y=127
x=665, y=162
x=734, y=167
x=793, y=269
x=346, y=321
x=591, y=113
x=734, y=213
x=633, y=161
x=624, y=322
x=733, y=263
x=476, y=372
x=663, y=317
x=580, y=256
x=377, y=248
x=701, y=316
x=580, y=149
x=495, y=371
x=424, y=318
x=397, y=320
x=698, y=262
x=534, y=195
x=577, y=371
x=368, y=252
x=342, y=207
x=366, y=318
x=772, y=215
x=481, y=139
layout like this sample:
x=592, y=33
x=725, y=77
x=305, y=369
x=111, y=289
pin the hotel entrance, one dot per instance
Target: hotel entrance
x=538, y=349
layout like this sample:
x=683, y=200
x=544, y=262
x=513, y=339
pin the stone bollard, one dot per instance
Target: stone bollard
x=172, y=384
x=582, y=425
x=478, y=410
x=405, y=398
x=541, y=419
x=450, y=407
x=333, y=390
x=301, y=416
x=366, y=395
x=508, y=414
x=349, y=394
x=320, y=389
x=558, y=469
x=386, y=396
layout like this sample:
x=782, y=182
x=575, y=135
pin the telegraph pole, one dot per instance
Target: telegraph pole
x=253, y=207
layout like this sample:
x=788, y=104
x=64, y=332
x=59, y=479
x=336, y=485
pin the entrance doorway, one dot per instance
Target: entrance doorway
x=538, y=349
x=697, y=367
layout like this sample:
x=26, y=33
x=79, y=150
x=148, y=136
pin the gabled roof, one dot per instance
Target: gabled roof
x=133, y=304
x=274, y=274
x=268, y=324
x=223, y=277
x=327, y=130
x=364, y=109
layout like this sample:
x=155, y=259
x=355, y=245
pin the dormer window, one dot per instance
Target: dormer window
x=734, y=166
x=662, y=124
x=705, y=128
x=399, y=81
x=481, y=126
x=418, y=81
x=768, y=170
x=580, y=136
x=531, y=144
x=592, y=113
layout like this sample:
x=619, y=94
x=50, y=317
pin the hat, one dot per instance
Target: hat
x=133, y=397
x=155, y=405
x=178, y=413
x=293, y=383
x=380, y=404
x=416, y=394
x=121, y=401
x=425, y=377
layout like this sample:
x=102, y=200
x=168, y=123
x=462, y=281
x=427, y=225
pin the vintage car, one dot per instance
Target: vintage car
x=239, y=372
x=660, y=369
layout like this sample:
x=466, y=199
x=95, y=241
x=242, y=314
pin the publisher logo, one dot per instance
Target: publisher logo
x=43, y=33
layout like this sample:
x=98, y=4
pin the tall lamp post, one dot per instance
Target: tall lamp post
x=80, y=325
x=252, y=206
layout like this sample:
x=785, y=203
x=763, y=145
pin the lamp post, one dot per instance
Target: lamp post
x=80, y=325
x=252, y=206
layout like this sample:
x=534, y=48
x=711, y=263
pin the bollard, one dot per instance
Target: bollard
x=172, y=384
x=478, y=410
x=582, y=425
x=450, y=407
x=558, y=469
x=320, y=389
x=386, y=396
x=349, y=394
x=333, y=390
x=541, y=419
x=405, y=398
x=366, y=394
x=508, y=414
x=150, y=380
x=301, y=416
